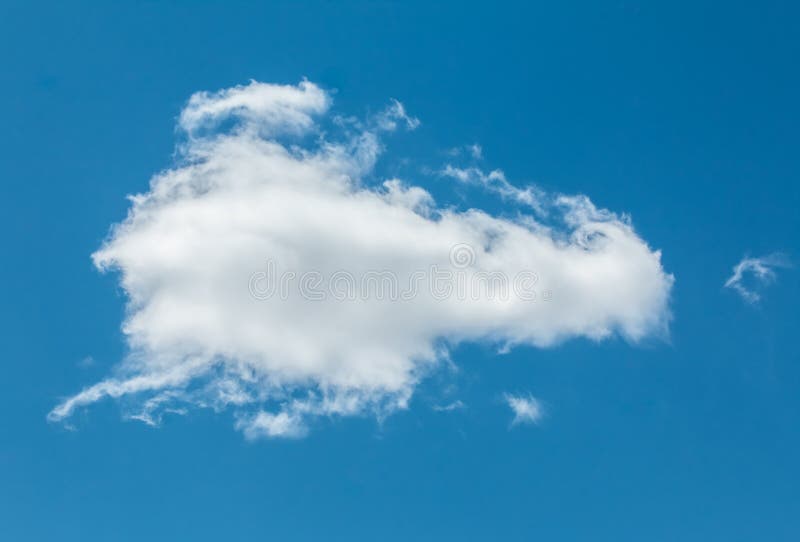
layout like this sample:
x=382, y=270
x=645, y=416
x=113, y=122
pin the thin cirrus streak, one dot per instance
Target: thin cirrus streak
x=259, y=180
x=751, y=275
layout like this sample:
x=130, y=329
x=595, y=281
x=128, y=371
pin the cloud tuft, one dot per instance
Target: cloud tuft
x=526, y=408
x=751, y=275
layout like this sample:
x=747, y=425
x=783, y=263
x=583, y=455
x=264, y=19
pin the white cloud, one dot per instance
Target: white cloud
x=449, y=407
x=474, y=151
x=527, y=409
x=86, y=362
x=256, y=191
x=282, y=424
x=751, y=275
x=496, y=181
x=396, y=112
x=269, y=108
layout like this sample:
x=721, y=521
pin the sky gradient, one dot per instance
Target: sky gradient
x=682, y=116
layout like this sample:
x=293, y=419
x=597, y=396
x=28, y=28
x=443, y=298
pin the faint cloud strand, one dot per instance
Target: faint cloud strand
x=496, y=181
x=455, y=405
x=751, y=275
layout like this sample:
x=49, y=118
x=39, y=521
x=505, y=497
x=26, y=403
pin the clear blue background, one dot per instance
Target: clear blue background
x=683, y=114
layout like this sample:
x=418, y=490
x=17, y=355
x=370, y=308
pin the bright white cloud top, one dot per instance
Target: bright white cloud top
x=751, y=275
x=267, y=273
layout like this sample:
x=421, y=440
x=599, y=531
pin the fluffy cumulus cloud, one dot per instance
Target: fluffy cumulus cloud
x=751, y=275
x=270, y=273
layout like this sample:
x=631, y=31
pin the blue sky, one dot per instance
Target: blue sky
x=682, y=116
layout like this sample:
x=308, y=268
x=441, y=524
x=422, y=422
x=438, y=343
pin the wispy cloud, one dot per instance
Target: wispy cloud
x=389, y=118
x=264, y=424
x=474, y=151
x=751, y=275
x=495, y=181
x=86, y=362
x=526, y=408
x=449, y=407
